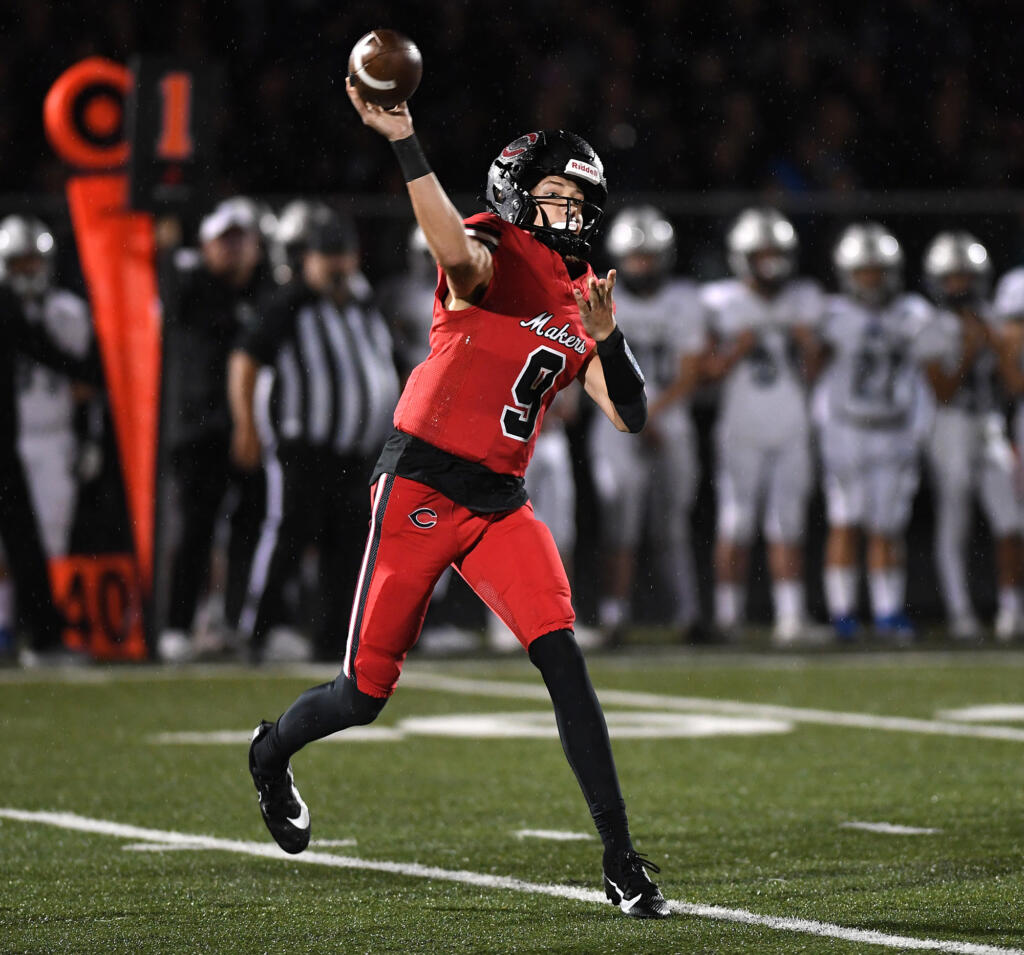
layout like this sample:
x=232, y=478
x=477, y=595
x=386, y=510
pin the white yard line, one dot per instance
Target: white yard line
x=64, y=820
x=889, y=828
x=510, y=689
x=986, y=713
x=557, y=835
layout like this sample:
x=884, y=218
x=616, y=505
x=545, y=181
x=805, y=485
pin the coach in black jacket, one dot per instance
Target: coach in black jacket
x=217, y=288
x=18, y=527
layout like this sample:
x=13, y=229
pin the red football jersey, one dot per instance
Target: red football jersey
x=494, y=368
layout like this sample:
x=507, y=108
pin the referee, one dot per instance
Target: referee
x=312, y=386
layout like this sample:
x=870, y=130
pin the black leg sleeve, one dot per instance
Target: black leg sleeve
x=583, y=732
x=319, y=712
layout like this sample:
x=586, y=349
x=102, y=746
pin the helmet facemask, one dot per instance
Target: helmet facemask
x=560, y=235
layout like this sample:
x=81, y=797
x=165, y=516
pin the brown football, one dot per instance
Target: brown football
x=385, y=67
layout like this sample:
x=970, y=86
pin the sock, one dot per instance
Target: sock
x=319, y=712
x=612, y=611
x=1009, y=599
x=583, y=732
x=887, y=589
x=840, y=590
x=789, y=599
x=727, y=604
x=6, y=605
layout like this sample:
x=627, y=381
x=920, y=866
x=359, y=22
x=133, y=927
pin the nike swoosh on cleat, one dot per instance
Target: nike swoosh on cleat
x=627, y=904
x=301, y=821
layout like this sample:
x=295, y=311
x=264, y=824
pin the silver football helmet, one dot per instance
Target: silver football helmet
x=27, y=249
x=764, y=231
x=291, y=235
x=869, y=247
x=957, y=270
x=642, y=244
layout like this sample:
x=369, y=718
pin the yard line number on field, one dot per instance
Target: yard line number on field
x=70, y=821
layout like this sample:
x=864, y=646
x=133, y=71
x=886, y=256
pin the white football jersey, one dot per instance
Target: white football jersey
x=45, y=404
x=661, y=329
x=1008, y=304
x=942, y=340
x=764, y=399
x=873, y=378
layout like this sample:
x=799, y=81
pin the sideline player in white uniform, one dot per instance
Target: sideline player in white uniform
x=46, y=398
x=652, y=482
x=407, y=302
x=873, y=410
x=1008, y=309
x=969, y=451
x=762, y=324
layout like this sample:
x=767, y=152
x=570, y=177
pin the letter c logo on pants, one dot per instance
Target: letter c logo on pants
x=423, y=517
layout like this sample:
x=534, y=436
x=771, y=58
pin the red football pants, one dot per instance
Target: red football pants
x=509, y=559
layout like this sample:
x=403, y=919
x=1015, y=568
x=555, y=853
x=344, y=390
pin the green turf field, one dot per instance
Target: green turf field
x=153, y=843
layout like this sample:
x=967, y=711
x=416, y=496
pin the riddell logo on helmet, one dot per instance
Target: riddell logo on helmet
x=578, y=168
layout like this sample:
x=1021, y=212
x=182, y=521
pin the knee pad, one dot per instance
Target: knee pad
x=356, y=708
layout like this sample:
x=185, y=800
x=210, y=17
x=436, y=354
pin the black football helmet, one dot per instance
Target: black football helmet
x=527, y=160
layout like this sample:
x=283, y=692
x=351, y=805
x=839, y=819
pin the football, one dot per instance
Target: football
x=385, y=67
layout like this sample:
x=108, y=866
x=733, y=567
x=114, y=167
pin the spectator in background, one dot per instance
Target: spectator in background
x=648, y=485
x=216, y=289
x=718, y=66
x=762, y=324
x=968, y=448
x=313, y=386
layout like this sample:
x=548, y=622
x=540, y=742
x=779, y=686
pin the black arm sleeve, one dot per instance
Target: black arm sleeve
x=624, y=380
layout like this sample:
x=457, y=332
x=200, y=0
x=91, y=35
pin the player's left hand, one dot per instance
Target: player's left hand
x=598, y=311
x=392, y=124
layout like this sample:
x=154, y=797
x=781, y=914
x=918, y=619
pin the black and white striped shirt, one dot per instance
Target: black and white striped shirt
x=329, y=376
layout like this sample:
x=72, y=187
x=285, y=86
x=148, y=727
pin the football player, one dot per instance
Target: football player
x=46, y=398
x=762, y=324
x=873, y=411
x=39, y=405
x=406, y=301
x=968, y=449
x=1008, y=310
x=518, y=316
x=651, y=483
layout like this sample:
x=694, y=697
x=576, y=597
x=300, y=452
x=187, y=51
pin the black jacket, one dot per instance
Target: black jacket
x=203, y=325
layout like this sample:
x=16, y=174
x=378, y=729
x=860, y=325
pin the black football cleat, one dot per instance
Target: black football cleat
x=282, y=807
x=627, y=885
